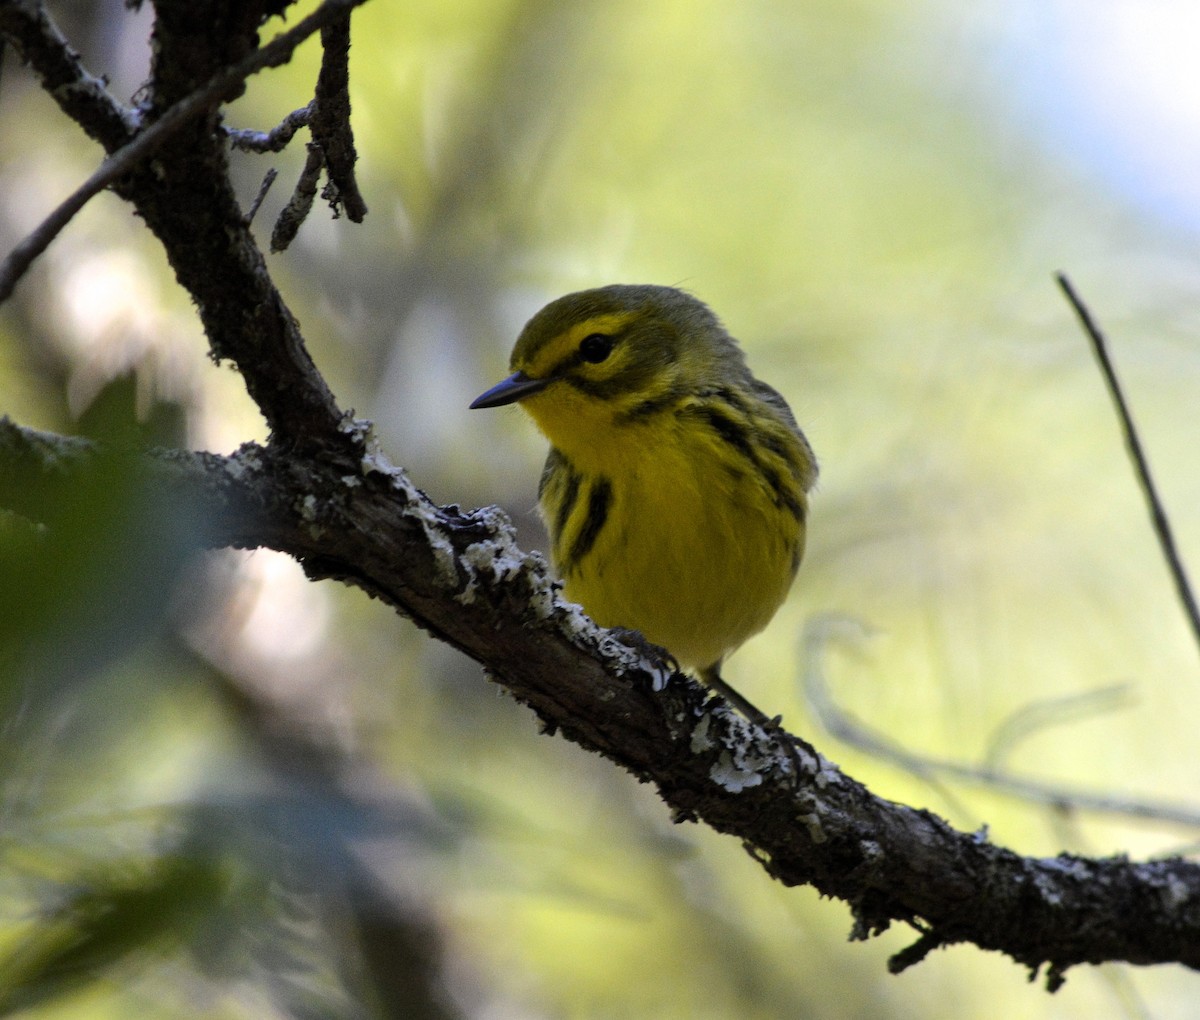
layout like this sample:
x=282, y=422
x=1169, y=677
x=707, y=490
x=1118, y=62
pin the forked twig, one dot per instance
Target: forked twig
x=121, y=162
x=1162, y=527
x=823, y=632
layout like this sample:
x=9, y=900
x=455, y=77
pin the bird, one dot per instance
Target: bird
x=675, y=491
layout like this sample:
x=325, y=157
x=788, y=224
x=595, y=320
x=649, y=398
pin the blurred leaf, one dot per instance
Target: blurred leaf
x=108, y=918
x=113, y=416
x=93, y=579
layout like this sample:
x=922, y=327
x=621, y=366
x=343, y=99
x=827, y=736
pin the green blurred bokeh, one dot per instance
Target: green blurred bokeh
x=874, y=197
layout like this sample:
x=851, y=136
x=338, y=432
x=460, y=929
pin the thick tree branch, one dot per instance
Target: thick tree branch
x=353, y=517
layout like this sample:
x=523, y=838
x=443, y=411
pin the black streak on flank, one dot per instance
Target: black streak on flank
x=731, y=398
x=599, y=503
x=738, y=436
x=783, y=495
x=731, y=431
x=570, y=495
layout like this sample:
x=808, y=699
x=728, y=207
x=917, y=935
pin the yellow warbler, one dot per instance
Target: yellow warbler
x=675, y=491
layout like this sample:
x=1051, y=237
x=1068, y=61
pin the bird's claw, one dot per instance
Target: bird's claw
x=665, y=663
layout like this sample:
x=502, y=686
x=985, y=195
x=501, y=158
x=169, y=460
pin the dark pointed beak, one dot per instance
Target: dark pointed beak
x=516, y=387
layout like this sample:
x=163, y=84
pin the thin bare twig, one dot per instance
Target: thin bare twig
x=331, y=122
x=822, y=632
x=275, y=140
x=296, y=210
x=268, y=180
x=332, y=145
x=121, y=162
x=1162, y=526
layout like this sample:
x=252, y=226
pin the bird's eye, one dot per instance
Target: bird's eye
x=595, y=347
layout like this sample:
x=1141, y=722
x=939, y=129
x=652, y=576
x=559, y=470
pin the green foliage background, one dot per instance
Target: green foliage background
x=869, y=195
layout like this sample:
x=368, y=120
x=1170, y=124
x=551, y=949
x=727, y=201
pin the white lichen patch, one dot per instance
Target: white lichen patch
x=747, y=755
x=578, y=626
x=728, y=772
x=308, y=508
x=246, y=458
x=543, y=600
x=358, y=429
x=812, y=823
x=1064, y=866
x=1175, y=893
x=499, y=560
x=1068, y=866
x=489, y=559
x=445, y=563
x=616, y=648
x=701, y=739
x=871, y=852
x=660, y=676
x=823, y=771
x=374, y=461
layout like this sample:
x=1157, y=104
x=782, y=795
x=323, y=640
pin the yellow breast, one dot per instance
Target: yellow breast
x=669, y=529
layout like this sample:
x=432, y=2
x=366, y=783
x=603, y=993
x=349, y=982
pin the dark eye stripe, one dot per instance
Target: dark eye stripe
x=648, y=406
x=576, y=356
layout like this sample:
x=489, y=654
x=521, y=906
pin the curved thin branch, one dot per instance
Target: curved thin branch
x=296, y=211
x=275, y=140
x=823, y=632
x=1045, y=713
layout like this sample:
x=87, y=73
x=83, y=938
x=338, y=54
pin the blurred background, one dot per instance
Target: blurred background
x=227, y=792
